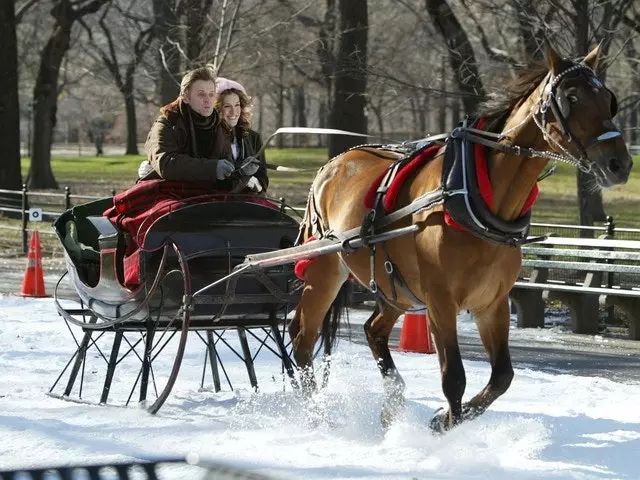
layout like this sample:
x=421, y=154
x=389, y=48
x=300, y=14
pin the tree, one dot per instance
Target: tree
x=461, y=56
x=10, y=177
x=139, y=29
x=347, y=111
x=45, y=94
x=168, y=55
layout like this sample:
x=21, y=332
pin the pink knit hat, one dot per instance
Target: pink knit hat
x=223, y=84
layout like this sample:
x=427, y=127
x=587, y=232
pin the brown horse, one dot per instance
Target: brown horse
x=561, y=112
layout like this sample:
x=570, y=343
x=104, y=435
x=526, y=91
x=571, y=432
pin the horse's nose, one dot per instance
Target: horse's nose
x=614, y=165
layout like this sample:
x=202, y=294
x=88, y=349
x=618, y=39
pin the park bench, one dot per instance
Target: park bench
x=582, y=273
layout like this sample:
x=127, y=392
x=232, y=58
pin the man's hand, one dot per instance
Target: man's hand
x=254, y=184
x=250, y=166
x=224, y=168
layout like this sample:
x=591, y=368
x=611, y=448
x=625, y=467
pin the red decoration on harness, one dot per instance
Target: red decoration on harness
x=301, y=265
x=390, y=198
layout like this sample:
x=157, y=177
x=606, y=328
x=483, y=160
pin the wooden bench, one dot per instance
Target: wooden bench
x=582, y=273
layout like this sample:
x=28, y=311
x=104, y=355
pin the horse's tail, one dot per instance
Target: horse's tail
x=336, y=317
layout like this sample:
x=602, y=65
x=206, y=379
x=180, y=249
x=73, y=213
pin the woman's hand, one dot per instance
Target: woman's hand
x=254, y=184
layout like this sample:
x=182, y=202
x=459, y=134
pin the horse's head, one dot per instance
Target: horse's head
x=575, y=112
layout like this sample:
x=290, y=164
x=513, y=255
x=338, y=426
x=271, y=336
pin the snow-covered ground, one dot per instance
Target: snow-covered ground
x=545, y=426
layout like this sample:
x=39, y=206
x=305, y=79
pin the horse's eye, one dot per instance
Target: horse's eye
x=572, y=99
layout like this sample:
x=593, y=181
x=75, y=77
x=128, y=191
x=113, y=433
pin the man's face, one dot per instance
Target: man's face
x=201, y=96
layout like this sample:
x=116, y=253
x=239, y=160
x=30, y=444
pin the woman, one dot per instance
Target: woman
x=187, y=141
x=233, y=105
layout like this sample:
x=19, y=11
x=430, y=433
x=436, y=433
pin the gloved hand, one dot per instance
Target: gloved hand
x=254, y=184
x=144, y=169
x=224, y=168
x=251, y=166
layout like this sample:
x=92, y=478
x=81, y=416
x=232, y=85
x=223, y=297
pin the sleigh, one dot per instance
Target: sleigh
x=180, y=254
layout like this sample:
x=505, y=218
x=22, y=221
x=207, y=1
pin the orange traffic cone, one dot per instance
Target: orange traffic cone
x=33, y=281
x=415, y=336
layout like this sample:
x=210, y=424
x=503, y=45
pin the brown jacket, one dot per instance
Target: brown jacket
x=170, y=148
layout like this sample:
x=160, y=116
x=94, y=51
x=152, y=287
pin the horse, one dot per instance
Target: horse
x=560, y=111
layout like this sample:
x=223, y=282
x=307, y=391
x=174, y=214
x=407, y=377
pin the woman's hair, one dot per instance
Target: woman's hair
x=244, y=122
x=203, y=73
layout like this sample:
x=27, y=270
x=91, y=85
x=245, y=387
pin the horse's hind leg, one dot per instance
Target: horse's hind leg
x=377, y=329
x=322, y=281
x=493, y=326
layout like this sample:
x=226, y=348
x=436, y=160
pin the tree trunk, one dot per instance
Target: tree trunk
x=10, y=177
x=168, y=84
x=45, y=99
x=529, y=33
x=280, y=93
x=442, y=111
x=132, y=124
x=45, y=92
x=349, y=101
x=590, y=203
x=461, y=55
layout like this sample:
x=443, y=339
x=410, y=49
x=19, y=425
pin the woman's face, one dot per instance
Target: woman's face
x=201, y=96
x=231, y=109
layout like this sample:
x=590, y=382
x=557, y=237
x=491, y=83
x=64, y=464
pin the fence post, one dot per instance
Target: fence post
x=25, y=217
x=611, y=231
x=611, y=226
x=67, y=198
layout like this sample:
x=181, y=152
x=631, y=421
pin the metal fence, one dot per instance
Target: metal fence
x=26, y=205
x=31, y=206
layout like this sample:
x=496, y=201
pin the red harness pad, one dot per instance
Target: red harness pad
x=390, y=198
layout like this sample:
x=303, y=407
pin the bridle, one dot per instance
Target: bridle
x=558, y=103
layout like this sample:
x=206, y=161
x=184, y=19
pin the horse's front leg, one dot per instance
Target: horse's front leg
x=493, y=326
x=322, y=281
x=377, y=330
x=442, y=317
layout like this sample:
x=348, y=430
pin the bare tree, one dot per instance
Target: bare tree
x=45, y=94
x=351, y=75
x=168, y=54
x=10, y=176
x=130, y=26
x=461, y=55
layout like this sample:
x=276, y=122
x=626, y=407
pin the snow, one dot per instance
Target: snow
x=548, y=425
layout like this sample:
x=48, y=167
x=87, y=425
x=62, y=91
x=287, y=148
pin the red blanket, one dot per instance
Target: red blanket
x=136, y=209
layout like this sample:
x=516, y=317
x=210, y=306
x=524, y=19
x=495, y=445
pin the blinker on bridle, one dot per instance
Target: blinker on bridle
x=557, y=102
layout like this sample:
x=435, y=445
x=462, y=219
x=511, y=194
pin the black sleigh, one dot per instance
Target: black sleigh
x=184, y=264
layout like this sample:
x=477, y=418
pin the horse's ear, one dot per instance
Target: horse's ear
x=554, y=61
x=593, y=57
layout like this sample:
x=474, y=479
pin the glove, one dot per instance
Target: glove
x=224, y=168
x=144, y=169
x=251, y=166
x=254, y=184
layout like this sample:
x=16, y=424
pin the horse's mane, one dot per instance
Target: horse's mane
x=500, y=104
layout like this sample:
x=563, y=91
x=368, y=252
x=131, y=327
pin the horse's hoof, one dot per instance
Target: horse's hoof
x=440, y=421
